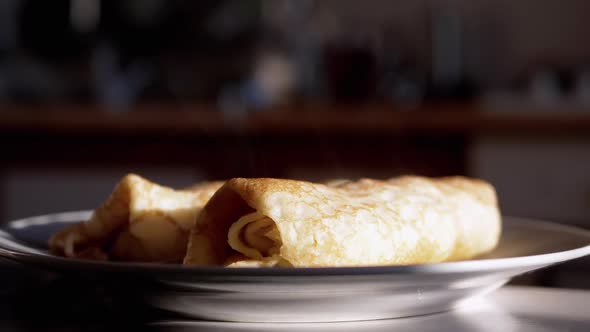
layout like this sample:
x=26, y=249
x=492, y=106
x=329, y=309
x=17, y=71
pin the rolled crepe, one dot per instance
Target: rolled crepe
x=405, y=220
x=140, y=221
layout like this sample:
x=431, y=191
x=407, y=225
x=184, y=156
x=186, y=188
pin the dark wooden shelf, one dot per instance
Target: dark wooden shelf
x=196, y=120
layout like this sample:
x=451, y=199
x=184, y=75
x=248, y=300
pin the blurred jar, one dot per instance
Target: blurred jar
x=271, y=83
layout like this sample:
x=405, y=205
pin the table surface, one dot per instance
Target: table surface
x=34, y=301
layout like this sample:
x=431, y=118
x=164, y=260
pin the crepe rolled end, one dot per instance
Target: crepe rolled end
x=255, y=236
x=72, y=242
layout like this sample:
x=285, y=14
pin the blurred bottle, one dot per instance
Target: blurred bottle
x=448, y=78
x=402, y=82
x=544, y=87
x=271, y=83
x=289, y=23
x=8, y=24
x=582, y=87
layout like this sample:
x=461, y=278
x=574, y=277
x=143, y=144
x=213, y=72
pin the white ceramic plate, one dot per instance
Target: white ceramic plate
x=522, y=309
x=313, y=294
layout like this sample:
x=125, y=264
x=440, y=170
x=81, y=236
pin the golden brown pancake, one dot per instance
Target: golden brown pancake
x=140, y=221
x=405, y=220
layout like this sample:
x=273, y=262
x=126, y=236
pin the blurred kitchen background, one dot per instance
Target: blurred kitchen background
x=182, y=91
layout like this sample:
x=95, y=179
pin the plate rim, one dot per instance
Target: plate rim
x=476, y=265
